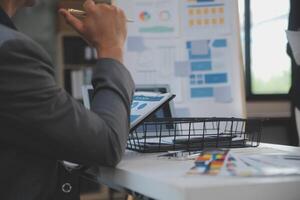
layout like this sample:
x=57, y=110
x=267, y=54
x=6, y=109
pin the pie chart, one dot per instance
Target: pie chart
x=145, y=16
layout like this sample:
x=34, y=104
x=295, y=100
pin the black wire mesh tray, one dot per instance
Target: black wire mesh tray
x=191, y=134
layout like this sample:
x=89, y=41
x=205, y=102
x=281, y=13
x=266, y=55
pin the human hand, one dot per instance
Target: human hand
x=103, y=27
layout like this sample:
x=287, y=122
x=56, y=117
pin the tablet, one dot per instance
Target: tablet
x=144, y=104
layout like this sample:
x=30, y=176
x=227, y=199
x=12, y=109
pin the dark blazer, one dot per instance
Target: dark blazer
x=294, y=24
x=40, y=124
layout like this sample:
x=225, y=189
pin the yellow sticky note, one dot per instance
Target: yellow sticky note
x=199, y=21
x=214, y=21
x=206, y=21
x=221, y=21
x=213, y=11
x=206, y=11
x=191, y=22
x=191, y=11
x=199, y=11
x=221, y=10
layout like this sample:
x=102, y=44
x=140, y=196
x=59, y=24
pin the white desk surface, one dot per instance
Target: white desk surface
x=168, y=179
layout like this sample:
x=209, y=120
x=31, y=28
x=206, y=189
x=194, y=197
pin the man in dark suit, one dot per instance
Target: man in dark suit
x=294, y=25
x=40, y=124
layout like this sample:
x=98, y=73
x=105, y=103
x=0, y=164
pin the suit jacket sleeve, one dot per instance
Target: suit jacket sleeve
x=40, y=117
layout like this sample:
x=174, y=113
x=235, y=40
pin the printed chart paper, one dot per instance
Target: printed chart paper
x=226, y=163
x=207, y=69
x=191, y=45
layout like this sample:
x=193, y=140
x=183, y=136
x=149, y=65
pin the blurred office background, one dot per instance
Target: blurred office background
x=267, y=79
x=267, y=66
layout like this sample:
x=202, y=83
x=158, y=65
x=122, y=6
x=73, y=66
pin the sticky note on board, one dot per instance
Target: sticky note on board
x=201, y=65
x=219, y=43
x=202, y=92
x=200, y=47
x=216, y=78
x=136, y=44
x=182, y=68
x=223, y=94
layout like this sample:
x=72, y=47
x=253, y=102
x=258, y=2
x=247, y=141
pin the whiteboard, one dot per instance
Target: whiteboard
x=191, y=45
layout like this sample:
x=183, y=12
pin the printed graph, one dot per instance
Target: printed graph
x=144, y=16
x=156, y=18
x=206, y=79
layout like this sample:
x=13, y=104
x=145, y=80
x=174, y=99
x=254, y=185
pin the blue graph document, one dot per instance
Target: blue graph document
x=146, y=103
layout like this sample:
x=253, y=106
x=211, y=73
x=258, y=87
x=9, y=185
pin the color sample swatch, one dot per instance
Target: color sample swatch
x=209, y=162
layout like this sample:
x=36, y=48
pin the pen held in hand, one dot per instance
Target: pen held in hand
x=80, y=13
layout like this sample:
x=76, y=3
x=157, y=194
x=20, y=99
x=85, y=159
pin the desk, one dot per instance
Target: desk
x=167, y=179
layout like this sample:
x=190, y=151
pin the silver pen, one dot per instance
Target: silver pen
x=80, y=13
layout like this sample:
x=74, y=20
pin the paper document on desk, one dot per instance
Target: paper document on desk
x=262, y=165
x=294, y=41
x=227, y=163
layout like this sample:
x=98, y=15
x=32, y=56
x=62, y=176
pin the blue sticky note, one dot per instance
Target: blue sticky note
x=216, y=78
x=219, y=43
x=189, y=45
x=201, y=65
x=202, y=92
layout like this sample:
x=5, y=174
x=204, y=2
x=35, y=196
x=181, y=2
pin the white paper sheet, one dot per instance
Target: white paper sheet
x=261, y=165
x=206, y=75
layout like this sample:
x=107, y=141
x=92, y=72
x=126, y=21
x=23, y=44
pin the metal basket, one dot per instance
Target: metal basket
x=192, y=134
